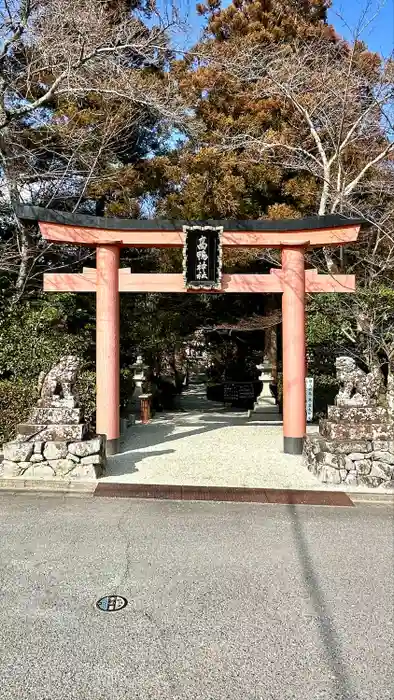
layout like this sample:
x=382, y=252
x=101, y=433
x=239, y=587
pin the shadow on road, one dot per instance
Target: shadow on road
x=325, y=626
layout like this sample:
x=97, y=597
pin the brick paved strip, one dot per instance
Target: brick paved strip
x=219, y=493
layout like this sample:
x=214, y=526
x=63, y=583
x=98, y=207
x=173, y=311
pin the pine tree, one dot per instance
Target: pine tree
x=205, y=180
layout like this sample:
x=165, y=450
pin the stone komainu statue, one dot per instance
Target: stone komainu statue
x=59, y=382
x=358, y=388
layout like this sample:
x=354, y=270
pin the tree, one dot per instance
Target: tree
x=338, y=130
x=198, y=178
x=337, y=101
x=305, y=118
x=84, y=97
x=79, y=101
x=296, y=121
x=201, y=178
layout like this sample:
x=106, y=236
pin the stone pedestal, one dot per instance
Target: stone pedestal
x=43, y=431
x=59, y=419
x=54, y=459
x=265, y=407
x=355, y=445
x=54, y=444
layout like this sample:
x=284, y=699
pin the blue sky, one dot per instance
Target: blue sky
x=379, y=35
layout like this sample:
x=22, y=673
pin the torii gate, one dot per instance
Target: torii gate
x=109, y=235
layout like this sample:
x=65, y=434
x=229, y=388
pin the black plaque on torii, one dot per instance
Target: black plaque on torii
x=202, y=257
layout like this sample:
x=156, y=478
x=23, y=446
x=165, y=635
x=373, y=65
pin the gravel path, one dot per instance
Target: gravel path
x=205, y=444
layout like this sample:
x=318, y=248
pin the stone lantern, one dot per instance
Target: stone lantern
x=265, y=406
x=140, y=370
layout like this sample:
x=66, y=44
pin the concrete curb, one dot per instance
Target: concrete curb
x=89, y=489
x=86, y=488
x=372, y=498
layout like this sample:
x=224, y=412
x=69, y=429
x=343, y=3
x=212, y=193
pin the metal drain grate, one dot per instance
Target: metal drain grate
x=111, y=603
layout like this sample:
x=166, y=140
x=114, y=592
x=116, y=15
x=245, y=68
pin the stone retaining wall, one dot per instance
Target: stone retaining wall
x=83, y=459
x=352, y=462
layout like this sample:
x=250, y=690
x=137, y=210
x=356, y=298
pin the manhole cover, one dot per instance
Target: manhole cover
x=111, y=603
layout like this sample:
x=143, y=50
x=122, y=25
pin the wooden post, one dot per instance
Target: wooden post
x=145, y=408
x=293, y=329
x=107, y=345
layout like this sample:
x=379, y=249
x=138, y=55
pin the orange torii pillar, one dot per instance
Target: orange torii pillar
x=107, y=281
x=294, y=350
x=108, y=345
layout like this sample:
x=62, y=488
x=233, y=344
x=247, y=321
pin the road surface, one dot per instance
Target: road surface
x=225, y=601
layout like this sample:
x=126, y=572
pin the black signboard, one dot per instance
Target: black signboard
x=238, y=391
x=202, y=257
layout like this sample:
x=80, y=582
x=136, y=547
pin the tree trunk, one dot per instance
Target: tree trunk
x=25, y=245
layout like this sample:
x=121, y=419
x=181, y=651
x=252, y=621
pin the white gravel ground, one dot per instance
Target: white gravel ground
x=205, y=444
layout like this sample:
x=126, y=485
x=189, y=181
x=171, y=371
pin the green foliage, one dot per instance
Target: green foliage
x=34, y=334
x=127, y=386
x=17, y=396
x=85, y=391
x=324, y=391
x=321, y=328
x=359, y=324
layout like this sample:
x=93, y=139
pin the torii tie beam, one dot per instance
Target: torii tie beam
x=108, y=236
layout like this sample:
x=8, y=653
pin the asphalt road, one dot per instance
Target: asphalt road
x=226, y=601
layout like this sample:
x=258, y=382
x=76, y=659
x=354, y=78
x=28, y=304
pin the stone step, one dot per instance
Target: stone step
x=358, y=414
x=317, y=443
x=265, y=408
x=351, y=431
x=60, y=416
x=28, y=431
x=265, y=419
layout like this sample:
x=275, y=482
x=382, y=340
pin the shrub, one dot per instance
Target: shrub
x=166, y=392
x=85, y=391
x=33, y=336
x=325, y=391
x=215, y=392
x=127, y=386
x=17, y=397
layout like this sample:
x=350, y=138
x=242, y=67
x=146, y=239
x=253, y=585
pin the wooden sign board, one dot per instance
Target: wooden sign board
x=202, y=257
x=238, y=391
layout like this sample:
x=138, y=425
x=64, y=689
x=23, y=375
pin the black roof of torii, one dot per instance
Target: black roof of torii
x=32, y=213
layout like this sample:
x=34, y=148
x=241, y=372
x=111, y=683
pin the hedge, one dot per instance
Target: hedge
x=16, y=400
x=18, y=397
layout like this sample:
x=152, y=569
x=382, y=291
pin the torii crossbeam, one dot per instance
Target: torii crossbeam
x=108, y=236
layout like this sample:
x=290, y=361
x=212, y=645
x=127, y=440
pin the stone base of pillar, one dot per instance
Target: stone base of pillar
x=293, y=445
x=113, y=447
x=271, y=409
